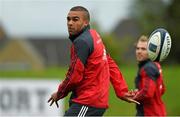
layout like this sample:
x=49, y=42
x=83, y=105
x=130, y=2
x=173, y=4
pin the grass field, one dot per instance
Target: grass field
x=171, y=96
x=117, y=106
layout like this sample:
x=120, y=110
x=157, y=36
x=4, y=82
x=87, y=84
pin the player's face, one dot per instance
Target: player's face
x=76, y=22
x=141, y=51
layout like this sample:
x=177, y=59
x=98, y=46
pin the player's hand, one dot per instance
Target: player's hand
x=138, y=93
x=132, y=93
x=129, y=98
x=54, y=98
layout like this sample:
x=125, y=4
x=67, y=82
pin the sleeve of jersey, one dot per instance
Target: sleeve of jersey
x=148, y=84
x=116, y=78
x=76, y=69
x=163, y=88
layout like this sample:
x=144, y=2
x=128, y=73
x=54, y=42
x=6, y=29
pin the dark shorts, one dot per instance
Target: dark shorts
x=83, y=110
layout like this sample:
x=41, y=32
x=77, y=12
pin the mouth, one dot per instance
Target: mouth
x=139, y=56
x=70, y=29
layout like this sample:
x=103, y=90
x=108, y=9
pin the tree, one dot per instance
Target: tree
x=173, y=25
x=152, y=14
x=149, y=13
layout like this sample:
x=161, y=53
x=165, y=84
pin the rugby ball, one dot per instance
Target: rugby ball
x=159, y=45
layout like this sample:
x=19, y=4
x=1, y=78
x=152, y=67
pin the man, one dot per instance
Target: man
x=90, y=70
x=149, y=83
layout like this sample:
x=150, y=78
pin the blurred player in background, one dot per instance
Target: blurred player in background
x=149, y=82
x=90, y=71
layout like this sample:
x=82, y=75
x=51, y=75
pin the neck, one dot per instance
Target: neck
x=141, y=63
x=73, y=37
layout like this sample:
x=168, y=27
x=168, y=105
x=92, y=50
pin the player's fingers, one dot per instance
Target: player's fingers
x=134, y=101
x=57, y=104
x=52, y=102
x=135, y=90
x=50, y=99
x=128, y=94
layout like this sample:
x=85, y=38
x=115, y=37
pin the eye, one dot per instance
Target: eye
x=75, y=19
x=68, y=19
x=143, y=48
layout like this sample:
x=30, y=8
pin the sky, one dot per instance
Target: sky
x=48, y=17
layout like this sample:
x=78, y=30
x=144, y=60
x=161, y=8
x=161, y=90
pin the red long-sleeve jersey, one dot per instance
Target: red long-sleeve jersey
x=116, y=78
x=149, y=82
x=90, y=71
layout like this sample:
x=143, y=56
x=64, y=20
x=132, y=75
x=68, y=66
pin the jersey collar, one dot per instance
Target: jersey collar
x=73, y=37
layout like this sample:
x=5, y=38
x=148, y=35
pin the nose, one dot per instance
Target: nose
x=70, y=22
x=138, y=51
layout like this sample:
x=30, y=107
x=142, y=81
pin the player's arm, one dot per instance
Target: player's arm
x=116, y=78
x=76, y=70
x=163, y=88
x=149, y=76
x=118, y=82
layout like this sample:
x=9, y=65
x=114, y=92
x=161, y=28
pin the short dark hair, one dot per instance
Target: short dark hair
x=81, y=8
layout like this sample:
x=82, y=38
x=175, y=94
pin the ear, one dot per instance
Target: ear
x=86, y=23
